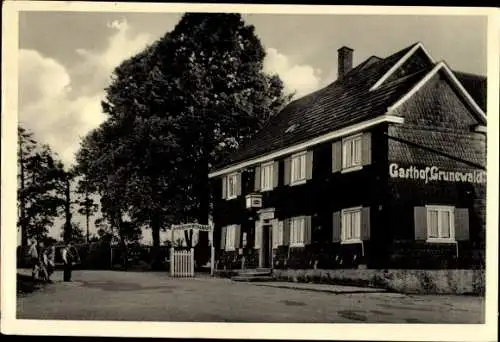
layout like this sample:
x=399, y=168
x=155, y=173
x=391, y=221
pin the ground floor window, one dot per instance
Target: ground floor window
x=351, y=224
x=231, y=237
x=440, y=222
x=297, y=229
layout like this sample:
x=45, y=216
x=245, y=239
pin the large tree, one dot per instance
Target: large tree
x=39, y=178
x=175, y=110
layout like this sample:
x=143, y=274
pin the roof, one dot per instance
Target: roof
x=345, y=102
x=475, y=86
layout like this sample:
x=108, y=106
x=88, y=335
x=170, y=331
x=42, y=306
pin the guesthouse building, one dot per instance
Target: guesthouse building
x=383, y=168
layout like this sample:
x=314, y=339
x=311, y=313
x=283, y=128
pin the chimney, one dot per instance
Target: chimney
x=345, y=61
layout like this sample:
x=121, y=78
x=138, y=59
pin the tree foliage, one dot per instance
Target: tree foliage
x=38, y=185
x=174, y=111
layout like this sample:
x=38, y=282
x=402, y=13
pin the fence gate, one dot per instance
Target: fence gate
x=182, y=263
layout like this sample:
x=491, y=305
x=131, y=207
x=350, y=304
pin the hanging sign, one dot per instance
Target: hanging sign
x=434, y=174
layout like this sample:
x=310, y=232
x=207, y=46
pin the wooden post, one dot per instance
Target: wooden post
x=212, y=250
x=192, y=262
x=212, y=261
x=172, y=261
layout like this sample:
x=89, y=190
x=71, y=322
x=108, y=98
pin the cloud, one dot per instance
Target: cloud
x=61, y=105
x=301, y=79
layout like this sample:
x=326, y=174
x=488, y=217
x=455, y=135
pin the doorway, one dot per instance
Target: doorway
x=267, y=246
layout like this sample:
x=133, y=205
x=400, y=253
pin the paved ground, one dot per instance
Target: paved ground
x=107, y=295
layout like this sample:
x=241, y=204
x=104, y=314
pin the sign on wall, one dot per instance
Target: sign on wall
x=434, y=174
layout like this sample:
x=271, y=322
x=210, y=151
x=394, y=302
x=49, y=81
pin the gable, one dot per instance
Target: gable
x=438, y=104
x=416, y=62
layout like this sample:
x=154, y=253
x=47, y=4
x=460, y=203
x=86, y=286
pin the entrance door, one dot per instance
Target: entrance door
x=266, y=245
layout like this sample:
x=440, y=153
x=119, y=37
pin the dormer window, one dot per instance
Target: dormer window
x=291, y=128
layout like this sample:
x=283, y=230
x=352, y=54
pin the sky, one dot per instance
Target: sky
x=66, y=58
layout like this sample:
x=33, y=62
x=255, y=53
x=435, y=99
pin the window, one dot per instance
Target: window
x=230, y=238
x=266, y=176
x=351, y=152
x=277, y=234
x=351, y=224
x=298, y=168
x=232, y=186
x=297, y=228
x=440, y=223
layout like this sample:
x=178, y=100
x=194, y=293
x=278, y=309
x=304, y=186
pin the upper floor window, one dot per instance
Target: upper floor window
x=232, y=185
x=351, y=151
x=351, y=224
x=266, y=176
x=440, y=222
x=298, y=168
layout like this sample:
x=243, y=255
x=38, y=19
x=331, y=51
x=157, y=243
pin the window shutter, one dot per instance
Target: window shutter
x=420, y=215
x=337, y=156
x=258, y=234
x=257, y=179
x=309, y=164
x=286, y=232
x=365, y=223
x=337, y=224
x=238, y=184
x=223, y=233
x=461, y=224
x=307, y=230
x=276, y=174
x=366, y=149
x=237, y=230
x=287, y=171
x=224, y=187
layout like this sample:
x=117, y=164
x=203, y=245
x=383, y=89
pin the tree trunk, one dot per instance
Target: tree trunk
x=155, y=230
x=87, y=214
x=68, y=229
x=202, y=247
x=22, y=213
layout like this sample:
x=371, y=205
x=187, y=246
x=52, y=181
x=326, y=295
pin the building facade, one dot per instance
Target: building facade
x=384, y=168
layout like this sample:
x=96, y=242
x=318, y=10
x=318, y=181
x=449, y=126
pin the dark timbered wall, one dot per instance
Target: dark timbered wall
x=437, y=117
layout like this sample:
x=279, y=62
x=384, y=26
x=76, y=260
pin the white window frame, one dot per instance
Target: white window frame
x=343, y=229
x=297, y=239
x=267, y=184
x=441, y=209
x=348, y=146
x=278, y=232
x=230, y=237
x=233, y=194
x=303, y=168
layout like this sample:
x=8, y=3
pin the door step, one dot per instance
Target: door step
x=258, y=274
x=246, y=278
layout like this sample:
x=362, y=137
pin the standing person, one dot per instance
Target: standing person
x=33, y=253
x=68, y=259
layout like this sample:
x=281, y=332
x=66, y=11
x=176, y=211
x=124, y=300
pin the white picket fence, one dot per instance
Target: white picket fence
x=182, y=263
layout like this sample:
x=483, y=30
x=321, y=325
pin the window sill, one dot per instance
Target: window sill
x=266, y=190
x=348, y=242
x=438, y=240
x=297, y=245
x=298, y=182
x=231, y=198
x=351, y=169
x=230, y=249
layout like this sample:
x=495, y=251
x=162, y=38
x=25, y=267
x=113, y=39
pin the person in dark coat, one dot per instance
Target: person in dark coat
x=68, y=260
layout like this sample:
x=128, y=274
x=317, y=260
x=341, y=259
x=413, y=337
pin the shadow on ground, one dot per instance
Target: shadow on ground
x=26, y=284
